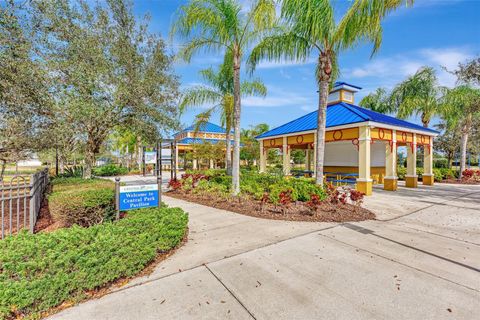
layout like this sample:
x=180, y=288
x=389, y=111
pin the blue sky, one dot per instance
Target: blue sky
x=433, y=32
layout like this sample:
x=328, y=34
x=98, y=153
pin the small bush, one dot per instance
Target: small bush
x=440, y=163
x=437, y=175
x=81, y=201
x=41, y=271
x=72, y=172
x=82, y=207
x=401, y=173
x=109, y=170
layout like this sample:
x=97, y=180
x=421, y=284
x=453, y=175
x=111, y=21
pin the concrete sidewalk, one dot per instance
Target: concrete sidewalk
x=421, y=262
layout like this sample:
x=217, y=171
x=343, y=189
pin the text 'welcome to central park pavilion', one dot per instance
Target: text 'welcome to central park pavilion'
x=358, y=142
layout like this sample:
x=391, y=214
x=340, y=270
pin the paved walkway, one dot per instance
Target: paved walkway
x=420, y=260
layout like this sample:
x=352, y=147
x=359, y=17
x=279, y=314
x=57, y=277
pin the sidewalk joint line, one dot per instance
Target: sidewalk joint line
x=231, y=292
x=401, y=263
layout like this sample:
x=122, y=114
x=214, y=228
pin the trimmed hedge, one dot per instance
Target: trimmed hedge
x=109, y=170
x=80, y=201
x=40, y=271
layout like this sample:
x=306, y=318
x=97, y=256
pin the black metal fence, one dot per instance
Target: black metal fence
x=20, y=201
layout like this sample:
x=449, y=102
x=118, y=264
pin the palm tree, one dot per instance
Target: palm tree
x=311, y=27
x=222, y=26
x=378, y=101
x=219, y=94
x=461, y=107
x=419, y=94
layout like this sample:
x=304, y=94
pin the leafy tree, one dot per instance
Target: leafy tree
x=24, y=98
x=310, y=27
x=461, y=109
x=108, y=70
x=222, y=26
x=448, y=142
x=469, y=72
x=251, y=150
x=218, y=92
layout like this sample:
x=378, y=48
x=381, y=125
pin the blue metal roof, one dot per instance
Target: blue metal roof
x=341, y=83
x=200, y=141
x=206, y=127
x=340, y=114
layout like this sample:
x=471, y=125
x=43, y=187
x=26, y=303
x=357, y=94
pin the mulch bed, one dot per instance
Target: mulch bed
x=298, y=211
x=462, y=181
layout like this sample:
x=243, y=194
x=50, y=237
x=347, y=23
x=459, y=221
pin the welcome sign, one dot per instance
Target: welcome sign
x=137, y=197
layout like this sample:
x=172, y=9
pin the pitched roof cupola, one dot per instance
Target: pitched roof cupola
x=343, y=92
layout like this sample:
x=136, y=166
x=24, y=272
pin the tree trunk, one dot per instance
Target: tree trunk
x=463, y=144
x=236, y=123
x=138, y=145
x=90, y=152
x=228, y=152
x=89, y=163
x=325, y=70
x=425, y=120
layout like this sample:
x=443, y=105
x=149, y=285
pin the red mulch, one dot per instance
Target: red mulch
x=461, y=181
x=298, y=211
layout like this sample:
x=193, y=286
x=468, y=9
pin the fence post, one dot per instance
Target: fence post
x=32, y=202
x=117, y=198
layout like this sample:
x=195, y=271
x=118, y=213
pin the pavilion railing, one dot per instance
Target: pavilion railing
x=20, y=202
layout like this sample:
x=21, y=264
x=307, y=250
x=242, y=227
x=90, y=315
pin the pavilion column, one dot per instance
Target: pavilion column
x=211, y=164
x=286, y=157
x=364, y=181
x=263, y=158
x=428, y=176
x=411, y=178
x=195, y=164
x=390, y=179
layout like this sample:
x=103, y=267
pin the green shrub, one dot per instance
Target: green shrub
x=440, y=163
x=81, y=201
x=301, y=190
x=82, y=207
x=71, y=172
x=43, y=270
x=401, y=172
x=419, y=171
x=109, y=170
x=437, y=174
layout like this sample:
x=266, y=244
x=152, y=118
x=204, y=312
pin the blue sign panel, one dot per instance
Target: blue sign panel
x=137, y=197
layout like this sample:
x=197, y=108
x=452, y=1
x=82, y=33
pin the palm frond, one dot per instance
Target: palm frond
x=311, y=19
x=253, y=88
x=288, y=46
x=362, y=23
x=198, y=96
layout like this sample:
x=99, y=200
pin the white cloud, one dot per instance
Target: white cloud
x=277, y=97
x=393, y=69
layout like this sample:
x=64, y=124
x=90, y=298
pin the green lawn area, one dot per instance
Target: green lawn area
x=41, y=271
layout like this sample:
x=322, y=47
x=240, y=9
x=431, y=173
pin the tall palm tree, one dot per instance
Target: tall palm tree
x=311, y=28
x=218, y=93
x=461, y=107
x=378, y=101
x=418, y=94
x=222, y=26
